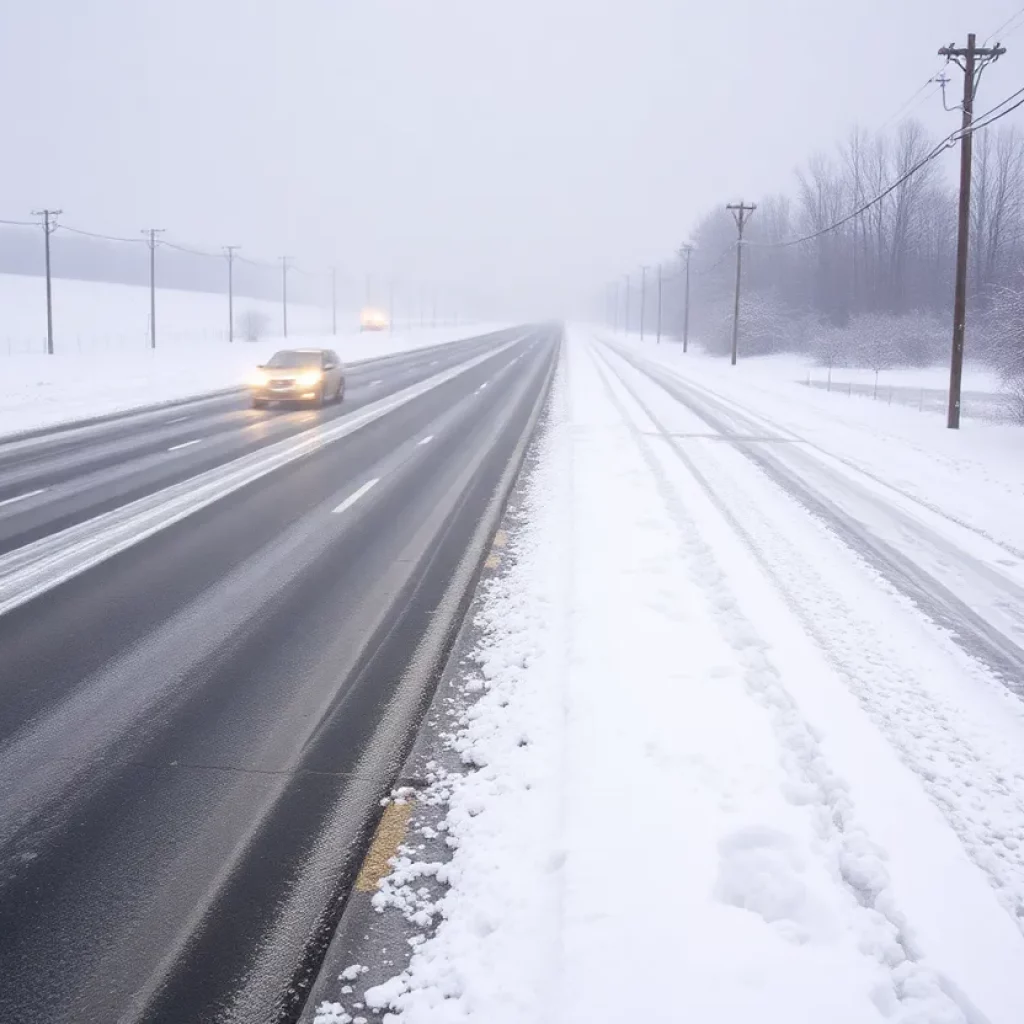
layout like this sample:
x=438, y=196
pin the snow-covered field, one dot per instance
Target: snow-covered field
x=720, y=766
x=103, y=363
x=93, y=317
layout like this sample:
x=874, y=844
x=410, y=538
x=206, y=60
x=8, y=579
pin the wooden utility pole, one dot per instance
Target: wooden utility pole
x=686, y=251
x=284, y=294
x=48, y=229
x=659, y=303
x=334, y=300
x=643, y=299
x=971, y=59
x=230, y=251
x=625, y=329
x=151, y=234
x=741, y=213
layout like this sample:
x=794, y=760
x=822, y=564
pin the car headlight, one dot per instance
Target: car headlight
x=309, y=380
x=258, y=379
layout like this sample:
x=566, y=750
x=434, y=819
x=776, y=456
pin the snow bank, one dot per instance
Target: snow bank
x=674, y=807
x=104, y=369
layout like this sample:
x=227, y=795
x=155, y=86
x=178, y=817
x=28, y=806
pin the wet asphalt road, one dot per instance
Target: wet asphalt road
x=195, y=733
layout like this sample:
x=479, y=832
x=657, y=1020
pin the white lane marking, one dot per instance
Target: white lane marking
x=482, y=386
x=433, y=362
x=425, y=440
x=356, y=495
x=185, y=444
x=180, y=419
x=21, y=497
x=46, y=563
x=375, y=383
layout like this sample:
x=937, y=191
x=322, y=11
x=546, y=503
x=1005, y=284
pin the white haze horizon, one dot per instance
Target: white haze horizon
x=510, y=159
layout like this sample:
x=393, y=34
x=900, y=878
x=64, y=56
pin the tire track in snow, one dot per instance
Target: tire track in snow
x=979, y=794
x=972, y=632
x=858, y=861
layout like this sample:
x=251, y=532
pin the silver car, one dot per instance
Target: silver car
x=299, y=375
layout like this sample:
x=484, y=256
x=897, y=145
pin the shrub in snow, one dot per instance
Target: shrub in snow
x=922, y=339
x=880, y=341
x=830, y=345
x=253, y=324
x=872, y=341
x=767, y=325
x=1002, y=332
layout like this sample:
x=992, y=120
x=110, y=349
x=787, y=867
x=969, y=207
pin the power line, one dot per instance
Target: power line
x=190, y=251
x=94, y=234
x=999, y=31
x=983, y=121
x=702, y=271
x=256, y=263
x=910, y=104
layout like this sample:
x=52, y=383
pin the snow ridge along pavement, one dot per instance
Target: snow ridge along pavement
x=715, y=769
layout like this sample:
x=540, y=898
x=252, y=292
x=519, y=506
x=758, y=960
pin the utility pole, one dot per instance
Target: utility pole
x=48, y=229
x=659, y=303
x=614, y=286
x=230, y=250
x=685, y=252
x=741, y=213
x=971, y=59
x=626, y=321
x=284, y=293
x=334, y=301
x=643, y=299
x=151, y=234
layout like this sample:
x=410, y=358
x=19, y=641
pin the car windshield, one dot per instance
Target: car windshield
x=293, y=360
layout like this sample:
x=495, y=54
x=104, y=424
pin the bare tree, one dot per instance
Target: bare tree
x=996, y=198
x=253, y=324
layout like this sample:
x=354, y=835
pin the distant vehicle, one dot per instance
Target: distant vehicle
x=373, y=320
x=299, y=375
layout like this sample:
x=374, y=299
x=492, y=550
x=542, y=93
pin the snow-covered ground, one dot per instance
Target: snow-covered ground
x=974, y=474
x=720, y=766
x=94, y=317
x=109, y=368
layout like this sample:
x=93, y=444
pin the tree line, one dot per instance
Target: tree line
x=876, y=291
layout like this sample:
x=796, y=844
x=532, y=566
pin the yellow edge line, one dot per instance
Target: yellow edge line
x=390, y=834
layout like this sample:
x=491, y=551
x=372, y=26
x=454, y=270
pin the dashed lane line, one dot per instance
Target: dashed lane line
x=21, y=497
x=356, y=495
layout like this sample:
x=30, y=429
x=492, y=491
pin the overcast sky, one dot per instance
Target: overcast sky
x=527, y=151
